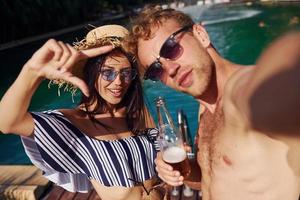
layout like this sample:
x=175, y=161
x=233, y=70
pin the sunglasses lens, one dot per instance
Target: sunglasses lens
x=108, y=74
x=171, y=49
x=154, y=71
x=128, y=74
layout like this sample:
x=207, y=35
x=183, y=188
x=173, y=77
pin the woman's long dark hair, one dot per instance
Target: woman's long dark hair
x=132, y=100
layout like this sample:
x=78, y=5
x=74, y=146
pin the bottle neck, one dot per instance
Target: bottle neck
x=163, y=114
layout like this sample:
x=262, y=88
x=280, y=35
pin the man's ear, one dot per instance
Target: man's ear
x=201, y=34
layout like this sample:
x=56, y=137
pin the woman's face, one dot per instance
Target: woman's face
x=115, y=77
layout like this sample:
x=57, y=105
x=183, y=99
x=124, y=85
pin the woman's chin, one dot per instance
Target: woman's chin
x=114, y=101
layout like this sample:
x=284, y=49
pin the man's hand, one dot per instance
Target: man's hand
x=166, y=172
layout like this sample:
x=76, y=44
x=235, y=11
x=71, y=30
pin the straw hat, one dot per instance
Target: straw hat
x=100, y=36
x=103, y=35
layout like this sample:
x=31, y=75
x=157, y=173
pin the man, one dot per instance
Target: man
x=250, y=116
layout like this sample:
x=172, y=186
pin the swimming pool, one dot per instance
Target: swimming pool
x=239, y=32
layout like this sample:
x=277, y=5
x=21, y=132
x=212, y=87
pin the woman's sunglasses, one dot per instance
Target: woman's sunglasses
x=109, y=74
x=171, y=49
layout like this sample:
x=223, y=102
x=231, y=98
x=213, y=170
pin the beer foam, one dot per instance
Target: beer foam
x=174, y=155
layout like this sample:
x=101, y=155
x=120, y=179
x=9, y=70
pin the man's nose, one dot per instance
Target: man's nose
x=171, y=67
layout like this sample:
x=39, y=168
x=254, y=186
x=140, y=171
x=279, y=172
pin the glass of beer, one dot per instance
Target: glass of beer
x=172, y=149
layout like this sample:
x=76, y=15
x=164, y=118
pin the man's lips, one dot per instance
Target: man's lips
x=184, y=79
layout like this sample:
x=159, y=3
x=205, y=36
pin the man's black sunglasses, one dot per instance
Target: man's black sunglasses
x=171, y=49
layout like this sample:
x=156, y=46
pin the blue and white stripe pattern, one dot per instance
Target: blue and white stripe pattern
x=64, y=149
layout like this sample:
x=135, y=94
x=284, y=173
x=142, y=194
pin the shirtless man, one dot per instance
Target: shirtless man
x=249, y=140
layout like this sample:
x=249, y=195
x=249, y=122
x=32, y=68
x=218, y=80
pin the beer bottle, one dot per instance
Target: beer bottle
x=170, y=140
x=183, y=128
x=163, y=114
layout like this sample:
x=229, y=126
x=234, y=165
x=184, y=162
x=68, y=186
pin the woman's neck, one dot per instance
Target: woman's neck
x=110, y=111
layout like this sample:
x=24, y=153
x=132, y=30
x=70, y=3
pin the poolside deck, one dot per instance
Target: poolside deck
x=58, y=193
x=22, y=182
x=25, y=182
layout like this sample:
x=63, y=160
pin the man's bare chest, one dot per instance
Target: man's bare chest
x=208, y=137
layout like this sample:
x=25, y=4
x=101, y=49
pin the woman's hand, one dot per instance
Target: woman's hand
x=55, y=59
x=166, y=172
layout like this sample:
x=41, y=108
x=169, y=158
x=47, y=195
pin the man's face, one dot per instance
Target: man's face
x=190, y=71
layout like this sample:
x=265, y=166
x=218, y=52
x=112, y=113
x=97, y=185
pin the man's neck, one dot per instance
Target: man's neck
x=221, y=72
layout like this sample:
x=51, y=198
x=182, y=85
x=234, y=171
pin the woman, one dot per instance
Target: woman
x=98, y=142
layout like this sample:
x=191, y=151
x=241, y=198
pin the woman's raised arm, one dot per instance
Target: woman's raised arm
x=53, y=60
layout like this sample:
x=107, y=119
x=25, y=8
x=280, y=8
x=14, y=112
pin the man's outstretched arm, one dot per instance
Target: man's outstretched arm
x=271, y=97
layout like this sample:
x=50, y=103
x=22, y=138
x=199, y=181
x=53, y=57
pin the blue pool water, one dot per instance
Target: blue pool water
x=234, y=30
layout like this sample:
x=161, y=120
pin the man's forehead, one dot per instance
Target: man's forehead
x=163, y=29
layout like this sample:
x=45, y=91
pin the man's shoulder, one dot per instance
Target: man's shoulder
x=238, y=80
x=234, y=88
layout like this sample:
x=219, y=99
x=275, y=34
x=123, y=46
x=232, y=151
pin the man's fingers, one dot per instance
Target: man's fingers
x=89, y=53
x=166, y=172
x=187, y=148
x=162, y=166
x=171, y=180
x=160, y=162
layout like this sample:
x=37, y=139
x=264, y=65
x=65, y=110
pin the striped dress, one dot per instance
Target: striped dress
x=70, y=158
